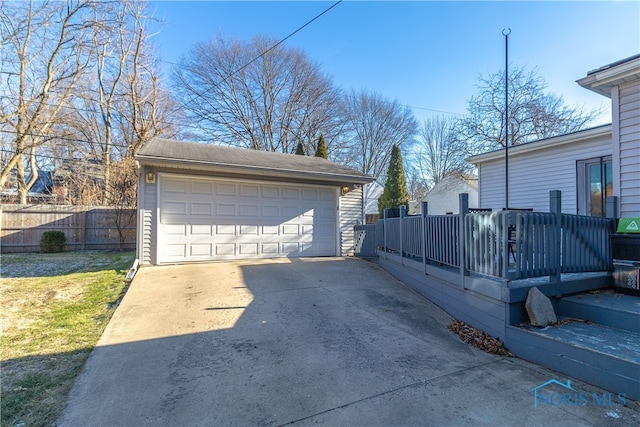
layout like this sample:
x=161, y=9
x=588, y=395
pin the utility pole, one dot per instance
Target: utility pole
x=505, y=33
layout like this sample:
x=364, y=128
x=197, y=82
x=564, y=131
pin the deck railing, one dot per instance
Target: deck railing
x=366, y=242
x=442, y=239
x=509, y=244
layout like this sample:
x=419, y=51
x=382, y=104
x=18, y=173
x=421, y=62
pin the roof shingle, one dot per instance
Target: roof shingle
x=191, y=155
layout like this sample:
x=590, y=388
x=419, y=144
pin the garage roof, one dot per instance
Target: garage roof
x=161, y=152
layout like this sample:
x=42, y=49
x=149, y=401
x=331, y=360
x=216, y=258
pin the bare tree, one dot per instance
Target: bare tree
x=45, y=51
x=121, y=195
x=533, y=113
x=257, y=95
x=148, y=109
x=375, y=124
x=417, y=186
x=439, y=150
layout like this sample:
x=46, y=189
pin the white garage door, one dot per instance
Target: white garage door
x=210, y=219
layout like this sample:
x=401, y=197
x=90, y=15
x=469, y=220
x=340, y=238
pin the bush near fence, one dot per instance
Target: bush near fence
x=85, y=227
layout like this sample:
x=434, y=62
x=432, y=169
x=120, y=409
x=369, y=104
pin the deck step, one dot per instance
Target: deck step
x=606, y=308
x=601, y=355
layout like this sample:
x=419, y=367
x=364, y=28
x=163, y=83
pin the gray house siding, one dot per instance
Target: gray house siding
x=628, y=117
x=147, y=218
x=351, y=205
x=533, y=174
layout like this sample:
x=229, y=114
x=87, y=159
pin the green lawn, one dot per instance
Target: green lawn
x=54, y=309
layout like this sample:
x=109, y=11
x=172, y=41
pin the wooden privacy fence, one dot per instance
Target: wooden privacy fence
x=510, y=244
x=85, y=227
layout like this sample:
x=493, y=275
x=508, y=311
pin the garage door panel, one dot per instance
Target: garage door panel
x=290, y=248
x=175, y=250
x=223, y=249
x=225, y=209
x=310, y=194
x=248, y=248
x=201, y=230
x=327, y=195
x=200, y=250
x=290, y=229
x=175, y=229
x=248, y=230
x=201, y=208
x=249, y=190
x=209, y=218
x=290, y=211
x=225, y=229
x=290, y=193
x=249, y=210
x=174, y=186
x=270, y=192
x=174, y=208
x=202, y=188
x=270, y=249
x=270, y=212
x=270, y=230
x=225, y=189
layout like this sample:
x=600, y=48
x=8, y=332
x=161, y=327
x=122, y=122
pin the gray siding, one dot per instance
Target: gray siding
x=629, y=122
x=148, y=209
x=350, y=216
x=532, y=175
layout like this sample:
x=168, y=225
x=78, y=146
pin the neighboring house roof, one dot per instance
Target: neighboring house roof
x=602, y=79
x=453, y=182
x=237, y=161
x=541, y=144
x=444, y=196
x=41, y=187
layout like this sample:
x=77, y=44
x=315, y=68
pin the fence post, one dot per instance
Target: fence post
x=611, y=207
x=403, y=214
x=82, y=229
x=555, y=206
x=463, y=201
x=425, y=212
x=385, y=215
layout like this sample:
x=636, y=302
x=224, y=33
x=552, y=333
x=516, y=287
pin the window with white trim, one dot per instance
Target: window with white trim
x=595, y=184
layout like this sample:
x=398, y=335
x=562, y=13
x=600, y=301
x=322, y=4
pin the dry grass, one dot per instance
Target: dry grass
x=54, y=309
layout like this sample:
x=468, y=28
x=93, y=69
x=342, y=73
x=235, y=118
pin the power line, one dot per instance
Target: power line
x=54, y=137
x=275, y=45
x=435, y=111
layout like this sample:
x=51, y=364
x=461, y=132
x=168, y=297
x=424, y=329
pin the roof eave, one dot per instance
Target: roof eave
x=601, y=81
x=593, y=133
x=186, y=164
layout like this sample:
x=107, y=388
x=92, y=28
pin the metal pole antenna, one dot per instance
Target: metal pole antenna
x=506, y=33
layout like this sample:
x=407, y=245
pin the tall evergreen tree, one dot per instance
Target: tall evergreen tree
x=321, y=149
x=300, y=149
x=395, y=188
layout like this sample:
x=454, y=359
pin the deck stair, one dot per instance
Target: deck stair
x=597, y=339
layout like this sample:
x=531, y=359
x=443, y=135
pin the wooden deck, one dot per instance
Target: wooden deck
x=601, y=346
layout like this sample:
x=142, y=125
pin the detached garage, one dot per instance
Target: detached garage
x=200, y=202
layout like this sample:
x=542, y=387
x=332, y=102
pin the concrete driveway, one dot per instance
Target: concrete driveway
x=329, y=341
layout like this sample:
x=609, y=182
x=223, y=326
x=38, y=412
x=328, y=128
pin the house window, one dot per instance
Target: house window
x=595, y=184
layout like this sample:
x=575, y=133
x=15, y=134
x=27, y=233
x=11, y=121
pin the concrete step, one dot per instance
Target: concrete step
x=600, y=355
x=606, y=308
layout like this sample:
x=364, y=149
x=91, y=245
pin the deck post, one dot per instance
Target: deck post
x=555, y=206
x=611, y=207
x=385, y=215
x=403, y=215
x=463, y=201
x=425, y=212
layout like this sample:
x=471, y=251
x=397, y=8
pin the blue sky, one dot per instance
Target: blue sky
x=425, y=54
